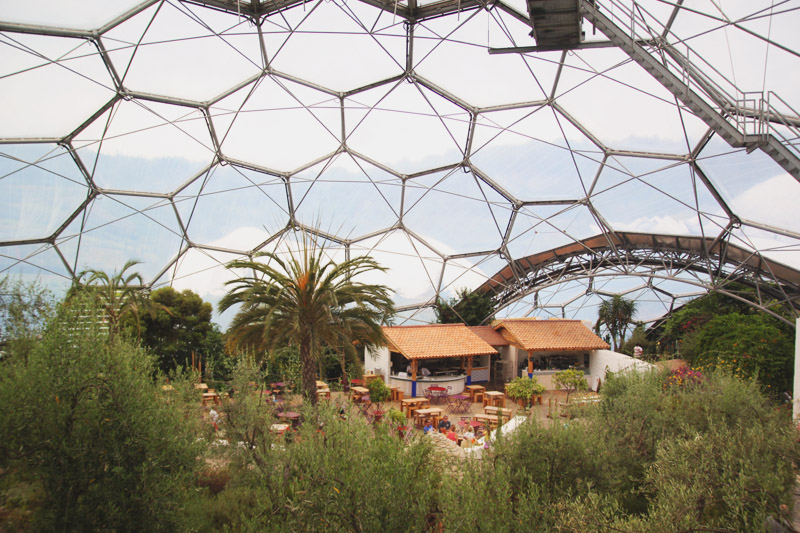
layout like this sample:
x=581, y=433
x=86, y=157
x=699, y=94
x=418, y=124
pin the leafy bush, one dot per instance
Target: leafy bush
x=84, y=420
x=749, y=346
x=570, y=380
x=378, y=391
x=25, y=308
x=335, y=475
x=524, y=388
x=396, y=417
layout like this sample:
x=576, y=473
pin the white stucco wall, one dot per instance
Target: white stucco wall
x=602, y=360
x=377, y=361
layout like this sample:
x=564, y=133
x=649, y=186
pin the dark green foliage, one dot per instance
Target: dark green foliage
x=717, y=331
x=179, y=324
x=85, y=423
x=639, y=337
x=693, y=315
x=748, y=346
x=378, y=391
x=471, y=308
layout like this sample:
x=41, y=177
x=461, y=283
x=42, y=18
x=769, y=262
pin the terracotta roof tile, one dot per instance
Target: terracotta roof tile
x=434, y=341
x=546, y=335
x=490, y=335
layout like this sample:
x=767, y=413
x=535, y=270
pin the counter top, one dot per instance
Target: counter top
x=429, y=378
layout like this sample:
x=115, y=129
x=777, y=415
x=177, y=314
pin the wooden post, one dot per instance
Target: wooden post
x=414, y=364
x=530, y=366
x=469, y=371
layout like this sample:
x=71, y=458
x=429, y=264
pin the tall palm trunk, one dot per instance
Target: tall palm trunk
x=308, y=372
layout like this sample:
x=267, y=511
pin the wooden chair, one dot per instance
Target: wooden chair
x=477, y=396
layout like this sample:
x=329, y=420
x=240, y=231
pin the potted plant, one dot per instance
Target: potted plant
x=524, y=390
x=378, y=392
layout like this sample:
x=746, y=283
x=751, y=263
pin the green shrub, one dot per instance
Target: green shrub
x=524, y=388
x=335, y=475
x=378, y=391
x=85, y=421
x=571, y=381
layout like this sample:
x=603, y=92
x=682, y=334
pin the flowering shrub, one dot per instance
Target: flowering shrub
x=683, y=377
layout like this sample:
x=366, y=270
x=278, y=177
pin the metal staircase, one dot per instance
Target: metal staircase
x=762, y=125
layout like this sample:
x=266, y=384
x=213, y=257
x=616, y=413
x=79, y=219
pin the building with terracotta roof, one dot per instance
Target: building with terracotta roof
x=448, y=355
x=541, y=348
x=454, y=355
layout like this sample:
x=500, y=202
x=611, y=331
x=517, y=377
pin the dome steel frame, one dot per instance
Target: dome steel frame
x=747, y=121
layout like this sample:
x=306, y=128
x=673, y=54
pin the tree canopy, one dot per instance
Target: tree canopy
x=471, y=308
x=177, y=325
x=615, y=315
x=308, y=301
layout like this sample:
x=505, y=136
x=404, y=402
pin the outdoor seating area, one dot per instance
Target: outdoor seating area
x=464, y=419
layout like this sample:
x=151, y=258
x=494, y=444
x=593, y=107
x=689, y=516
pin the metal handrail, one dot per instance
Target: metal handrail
x=751, y=112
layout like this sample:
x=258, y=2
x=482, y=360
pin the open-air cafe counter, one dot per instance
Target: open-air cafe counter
x=453, y=372
x=420, y=356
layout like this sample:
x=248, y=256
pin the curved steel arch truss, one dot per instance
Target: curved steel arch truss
x=712, y=263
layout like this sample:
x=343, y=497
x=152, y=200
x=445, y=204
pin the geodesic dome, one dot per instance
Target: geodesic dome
x=547, y=152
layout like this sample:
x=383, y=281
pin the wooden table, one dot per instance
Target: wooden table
x=201, y=386
x=494, y=398
x=491, y=410
x=431, y=412
x=357, y=392
x=210, y=397
x=323, y=394
x=490, y=420
x=397, y=394
x=409, y=404
x=321, y=385
x=475, y=391
x=370, y=377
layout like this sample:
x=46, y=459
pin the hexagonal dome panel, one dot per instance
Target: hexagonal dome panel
x=56, y=83
x=40, y=188
x=277, y=124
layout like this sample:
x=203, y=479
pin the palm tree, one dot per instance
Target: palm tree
x=309, y=302
x=616, y=315
x=118, y=294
